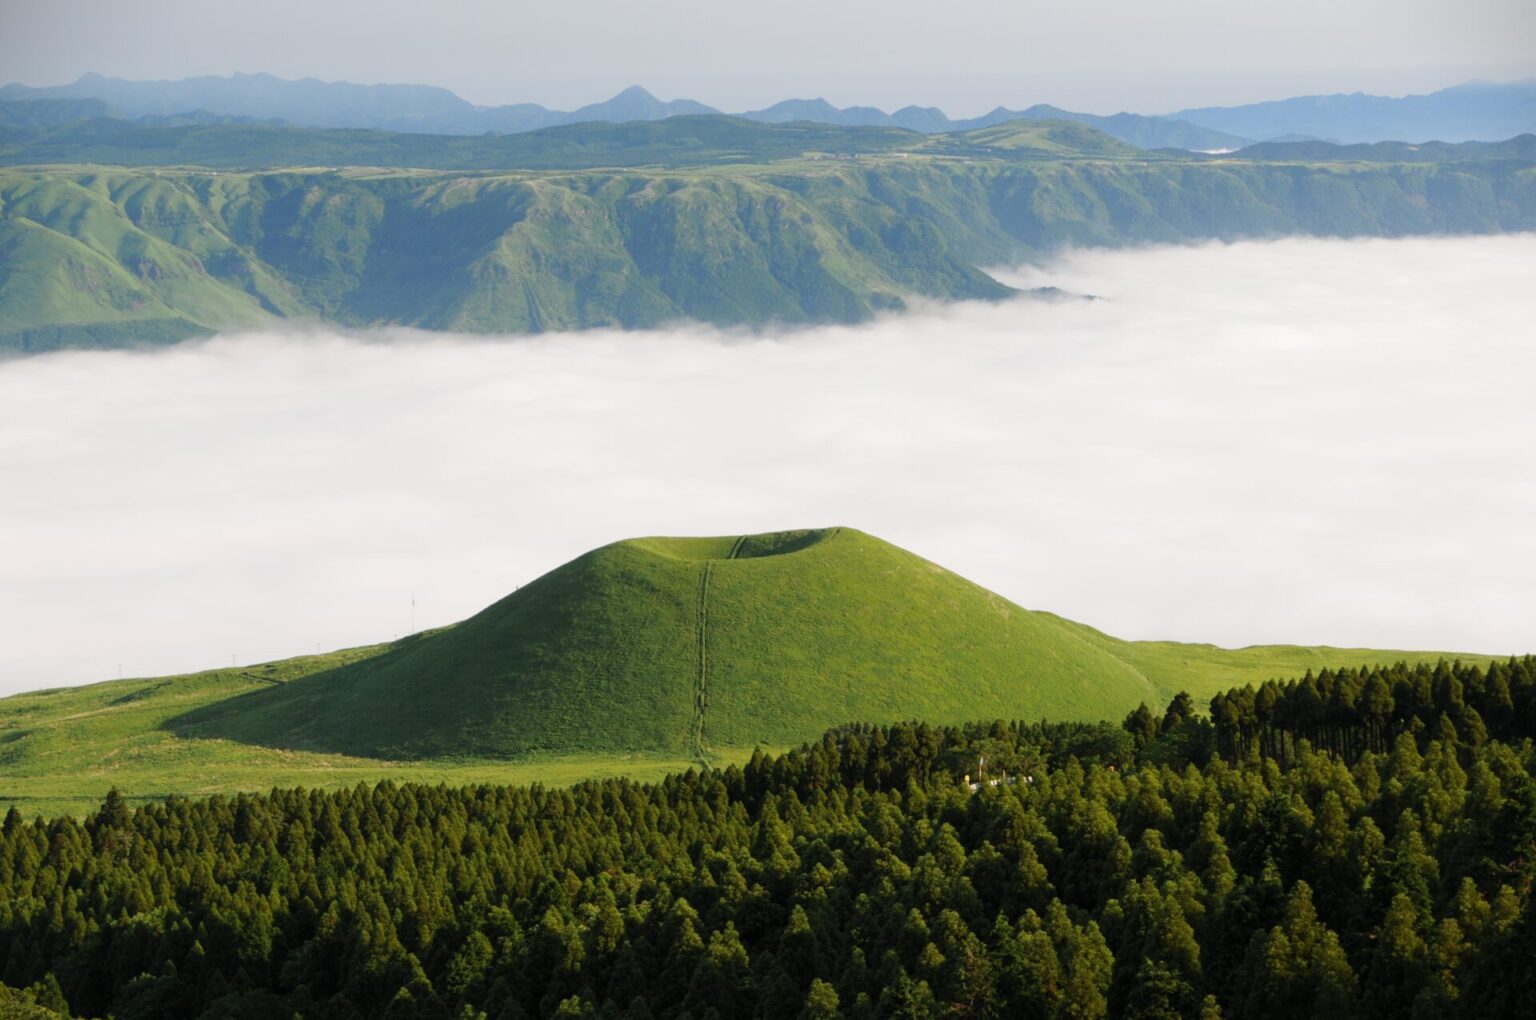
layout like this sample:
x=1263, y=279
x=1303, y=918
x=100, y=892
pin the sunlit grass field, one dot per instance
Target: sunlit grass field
x=639, y=659
x=62, y=750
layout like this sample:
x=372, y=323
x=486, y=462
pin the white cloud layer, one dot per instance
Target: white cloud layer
x=1302, y=441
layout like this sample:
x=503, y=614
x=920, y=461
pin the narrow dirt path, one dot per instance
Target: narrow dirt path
x=701, y=681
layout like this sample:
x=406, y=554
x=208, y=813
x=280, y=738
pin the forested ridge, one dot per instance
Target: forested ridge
x=1359, y=843
x=1352, y=711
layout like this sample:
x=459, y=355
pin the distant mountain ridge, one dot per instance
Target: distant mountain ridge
x=427, y=109
x=1143, y=132
x=1475, y=111
x=309, y=102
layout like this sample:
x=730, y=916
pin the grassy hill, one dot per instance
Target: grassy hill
x=62, y=750
x=1041, y=140
x=100, y=257
x=640, y=657
x=678, y=645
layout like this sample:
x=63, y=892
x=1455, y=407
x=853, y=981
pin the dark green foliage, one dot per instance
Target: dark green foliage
x=43, y=1001
x=855, y=876
x=1298, y=968
x=1351, y=712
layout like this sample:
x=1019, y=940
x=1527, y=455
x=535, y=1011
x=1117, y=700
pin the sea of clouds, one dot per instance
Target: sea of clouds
x=1310, y=441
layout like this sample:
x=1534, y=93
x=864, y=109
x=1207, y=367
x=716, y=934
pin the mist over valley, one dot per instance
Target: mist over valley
x=1312, y=441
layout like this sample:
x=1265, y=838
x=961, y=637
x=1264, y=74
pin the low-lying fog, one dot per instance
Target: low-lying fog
x=1301, y=441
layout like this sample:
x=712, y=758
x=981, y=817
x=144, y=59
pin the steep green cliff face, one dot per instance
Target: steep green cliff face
x=103, y=257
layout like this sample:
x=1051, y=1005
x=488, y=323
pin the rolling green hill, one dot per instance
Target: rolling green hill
x=1039, y=140
x=102, y=257
x=678, y=645
x=640, y=657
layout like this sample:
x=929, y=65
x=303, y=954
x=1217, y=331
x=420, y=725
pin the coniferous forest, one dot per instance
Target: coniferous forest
x=1349, y=844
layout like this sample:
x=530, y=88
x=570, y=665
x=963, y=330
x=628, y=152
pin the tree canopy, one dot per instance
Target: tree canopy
x=1350, y=844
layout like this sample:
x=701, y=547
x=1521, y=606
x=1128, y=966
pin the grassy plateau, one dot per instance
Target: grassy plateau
x=142, y=236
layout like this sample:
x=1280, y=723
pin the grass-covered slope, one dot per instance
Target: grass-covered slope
x=89, y=251
x=679, y=646
x=105, y=257
x=637, y=658
x=99, y=260
x=1037, y=140
x=61, y=750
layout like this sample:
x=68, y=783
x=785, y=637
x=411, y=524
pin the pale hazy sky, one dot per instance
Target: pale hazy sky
x=965, y=56
x=1304, y=441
